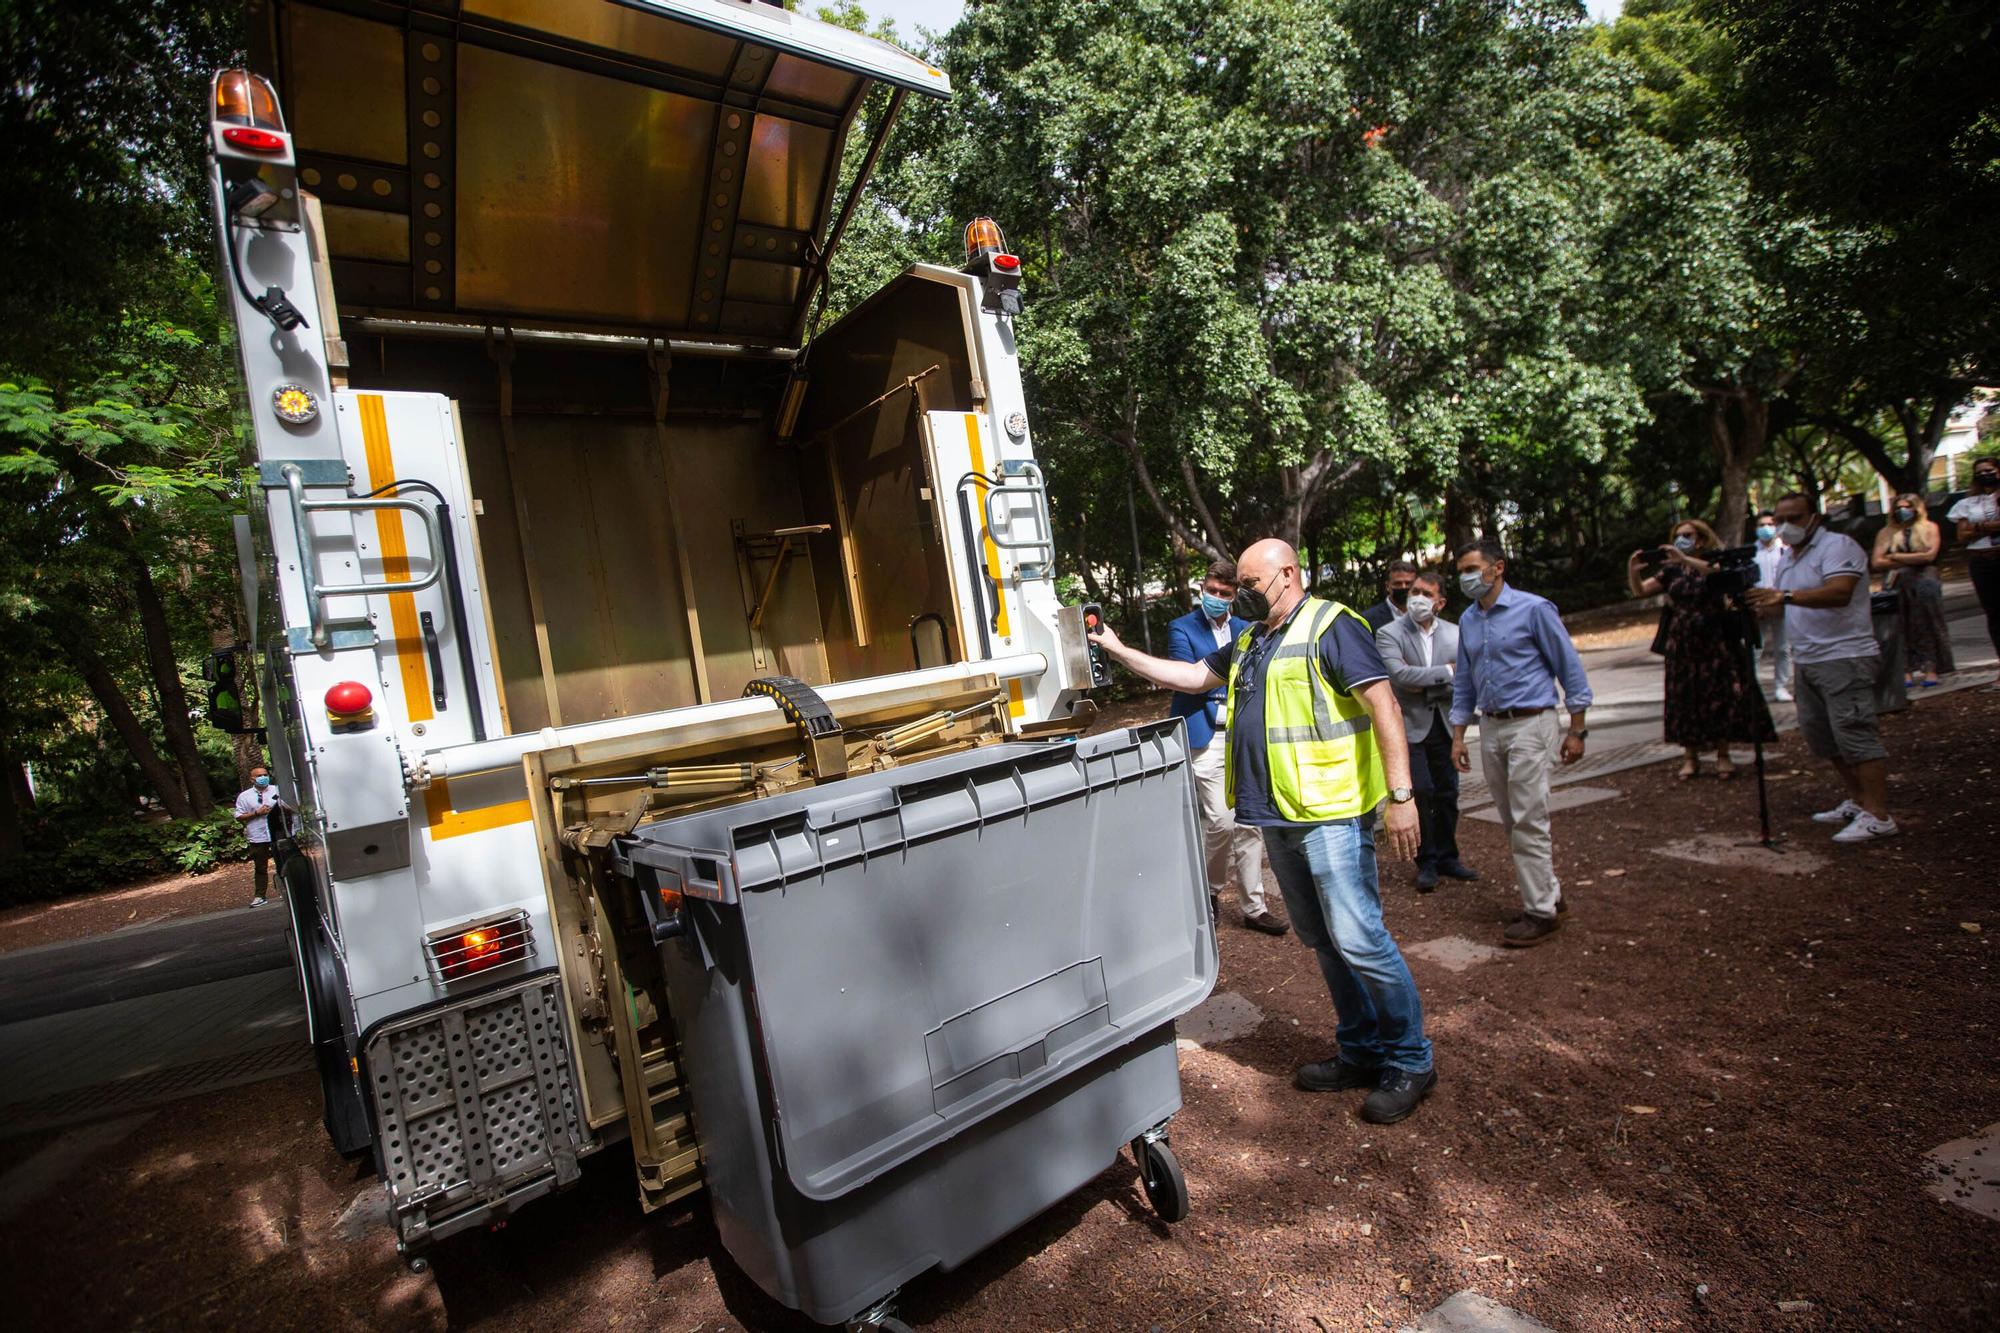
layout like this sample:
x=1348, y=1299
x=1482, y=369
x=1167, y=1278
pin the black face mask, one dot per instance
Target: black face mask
x=1251, y=604
x=1986, y=481
x=1399, y=597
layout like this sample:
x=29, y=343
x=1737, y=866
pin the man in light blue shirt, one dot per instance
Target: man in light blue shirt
x=1513, y=653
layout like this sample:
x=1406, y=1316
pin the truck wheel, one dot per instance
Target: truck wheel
x=345, y=1116
x=1166, y=1187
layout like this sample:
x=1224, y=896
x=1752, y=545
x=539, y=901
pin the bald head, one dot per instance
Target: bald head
x=1271, y=566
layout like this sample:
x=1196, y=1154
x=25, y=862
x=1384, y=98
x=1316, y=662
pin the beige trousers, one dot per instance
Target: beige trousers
x=1227, y=840
x=1517, y=755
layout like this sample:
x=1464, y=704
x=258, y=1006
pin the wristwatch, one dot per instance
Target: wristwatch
x=1578, y=732
x=1785, y=597
x=1400, y=795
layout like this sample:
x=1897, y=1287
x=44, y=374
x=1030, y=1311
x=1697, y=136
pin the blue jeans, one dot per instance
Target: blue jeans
x=1327, y=874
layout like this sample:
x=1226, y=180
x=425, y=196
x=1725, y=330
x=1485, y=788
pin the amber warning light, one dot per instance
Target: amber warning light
x=999, y=272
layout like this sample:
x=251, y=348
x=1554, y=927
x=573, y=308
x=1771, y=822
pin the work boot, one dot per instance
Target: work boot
x=1427, y=879
x=1334, y=1074
x=1265, y=922
x=1562, y=906
x=1458, y=870
x=1530, y=931
x=1398, y=1095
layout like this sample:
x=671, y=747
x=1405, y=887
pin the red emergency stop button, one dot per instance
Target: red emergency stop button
x=349, y=699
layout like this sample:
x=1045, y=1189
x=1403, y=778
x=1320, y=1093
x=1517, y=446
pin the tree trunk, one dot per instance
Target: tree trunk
x=1182, y=575
x=166, y=672
x=12, y=840
x=1457, y=522
x=1739, y=426
x=110, y=697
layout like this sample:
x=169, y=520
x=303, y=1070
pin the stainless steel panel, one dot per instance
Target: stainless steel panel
x=615, y=27
x=578, y=195
x=343, y=85
x=822, y=86
x=367, y=233
x=772, y=284
x=786, y=173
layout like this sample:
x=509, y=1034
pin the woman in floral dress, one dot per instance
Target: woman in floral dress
x=1710, y=700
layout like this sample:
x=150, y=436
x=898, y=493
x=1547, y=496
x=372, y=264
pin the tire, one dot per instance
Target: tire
x=344, y=1114
x=1160, y=1172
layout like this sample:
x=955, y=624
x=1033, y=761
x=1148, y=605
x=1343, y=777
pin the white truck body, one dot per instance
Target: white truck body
x=595, y=231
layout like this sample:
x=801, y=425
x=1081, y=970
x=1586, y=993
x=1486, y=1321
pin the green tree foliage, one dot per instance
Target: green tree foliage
x=118, y=431
x=1880, y=119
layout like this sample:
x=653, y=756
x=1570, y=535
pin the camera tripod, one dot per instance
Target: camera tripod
x=1744, y=635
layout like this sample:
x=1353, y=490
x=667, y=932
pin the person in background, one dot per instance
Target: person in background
x=1190, y=639
x=1397, y=588
x=1316, y=759
x=1906, y=555
x=253, y=811
x=1707, y=706
x=1769, y=556
x=1512, y=653
x=1823, y=594
x=1420, y=648
x=1978, y=519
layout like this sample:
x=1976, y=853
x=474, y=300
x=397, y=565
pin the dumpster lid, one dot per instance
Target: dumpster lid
x=656, y=166
x=924, y=948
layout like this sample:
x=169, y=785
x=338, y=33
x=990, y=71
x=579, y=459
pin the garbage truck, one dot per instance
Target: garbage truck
x=683, y=739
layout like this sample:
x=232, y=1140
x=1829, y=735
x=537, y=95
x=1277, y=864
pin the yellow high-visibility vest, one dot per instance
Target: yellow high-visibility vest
x=1319, y=743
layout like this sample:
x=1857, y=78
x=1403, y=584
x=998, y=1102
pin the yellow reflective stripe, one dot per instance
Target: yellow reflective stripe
x=444, y=822
x=406, y=644
x=992, y=550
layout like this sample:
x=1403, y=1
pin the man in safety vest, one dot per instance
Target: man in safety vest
x=1315, y=749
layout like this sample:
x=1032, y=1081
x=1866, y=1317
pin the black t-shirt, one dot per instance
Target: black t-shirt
x=1348, y=657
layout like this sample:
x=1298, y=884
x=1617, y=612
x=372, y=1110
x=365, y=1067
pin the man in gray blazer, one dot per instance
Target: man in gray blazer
x=1420, y=648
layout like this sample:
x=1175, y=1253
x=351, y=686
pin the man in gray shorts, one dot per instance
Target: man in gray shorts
x=1822, y=592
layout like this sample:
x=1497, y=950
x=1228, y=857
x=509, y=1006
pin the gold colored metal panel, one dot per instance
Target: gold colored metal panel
x=616, y=27
x=579, y=196
x=344, y=85
x=806, y=81
x=771, y=284
x=786, y=173
x=367, y=233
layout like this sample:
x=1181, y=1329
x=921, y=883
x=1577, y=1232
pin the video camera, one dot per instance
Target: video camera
x=1735, y=571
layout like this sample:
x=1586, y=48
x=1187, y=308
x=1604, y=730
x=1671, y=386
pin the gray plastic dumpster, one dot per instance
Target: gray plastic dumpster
x=918, y=1007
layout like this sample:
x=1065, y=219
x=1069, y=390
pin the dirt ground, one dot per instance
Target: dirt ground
x=228, y=885
x=1709, y=1094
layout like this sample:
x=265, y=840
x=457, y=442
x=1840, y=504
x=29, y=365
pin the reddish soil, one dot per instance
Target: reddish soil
x=1708, y=1078
x=228, y=885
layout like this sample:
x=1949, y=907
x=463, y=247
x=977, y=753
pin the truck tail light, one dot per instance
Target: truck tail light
x=460, y=951
x=253, y=140
x=243, y=98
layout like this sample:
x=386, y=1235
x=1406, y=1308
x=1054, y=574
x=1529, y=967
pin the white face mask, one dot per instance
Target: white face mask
x=1474, y=585
x=1792, y=535
x=1422, y=608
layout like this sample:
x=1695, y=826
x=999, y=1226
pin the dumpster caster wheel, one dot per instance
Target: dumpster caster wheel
x=1166, y=1187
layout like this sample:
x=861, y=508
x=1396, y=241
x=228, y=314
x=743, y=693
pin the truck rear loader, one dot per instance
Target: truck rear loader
x=684, y=733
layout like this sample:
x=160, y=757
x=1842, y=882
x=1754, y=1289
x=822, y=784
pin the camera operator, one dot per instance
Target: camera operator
x=1708, y=704
x=1822, y=592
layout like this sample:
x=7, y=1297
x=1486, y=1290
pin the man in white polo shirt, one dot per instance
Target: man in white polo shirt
x=1822, y=592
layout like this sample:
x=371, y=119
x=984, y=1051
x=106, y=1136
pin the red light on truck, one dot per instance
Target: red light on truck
x=253, y=141
x=350, y=705
x=480, y=947
x=1007, y=263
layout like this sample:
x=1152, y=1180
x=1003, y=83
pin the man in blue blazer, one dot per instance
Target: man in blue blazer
x=1190, y=639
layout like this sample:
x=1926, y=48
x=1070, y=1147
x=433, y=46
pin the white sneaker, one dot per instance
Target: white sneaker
x=1843, y=813
x=259, y=902
x=1866, y=828
x=1784, y=695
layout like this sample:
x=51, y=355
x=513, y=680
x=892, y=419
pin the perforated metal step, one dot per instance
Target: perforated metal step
x=478, y=1108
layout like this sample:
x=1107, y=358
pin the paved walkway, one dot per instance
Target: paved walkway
x=97, y=1027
